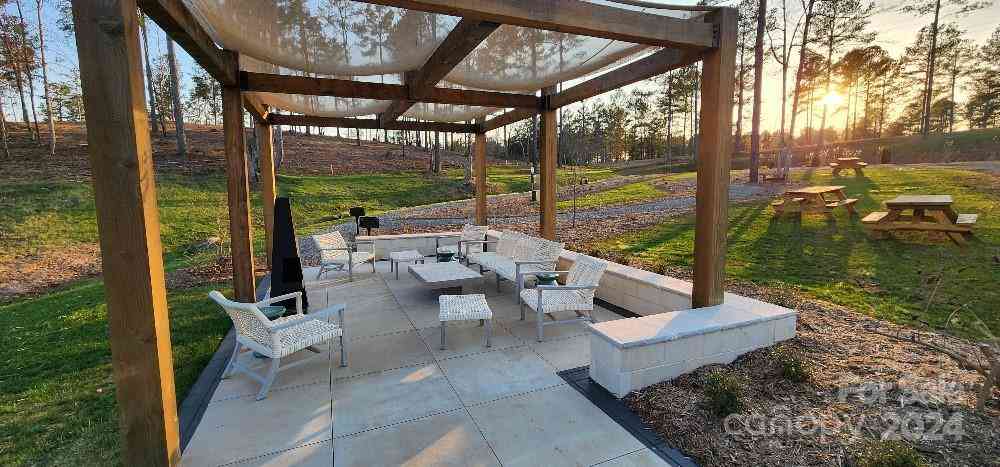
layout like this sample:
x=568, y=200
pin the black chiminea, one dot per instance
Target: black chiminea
x=368, y=222
x=286, y=268
x=356, y=212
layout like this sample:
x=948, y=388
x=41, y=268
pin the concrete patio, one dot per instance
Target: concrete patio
x=402, y=401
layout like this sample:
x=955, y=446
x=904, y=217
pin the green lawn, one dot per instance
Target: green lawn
x=57, y=395
x=511, y=179
x=837, y=262
x=629, y=193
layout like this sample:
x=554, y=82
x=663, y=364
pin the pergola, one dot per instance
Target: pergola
x=107, y=33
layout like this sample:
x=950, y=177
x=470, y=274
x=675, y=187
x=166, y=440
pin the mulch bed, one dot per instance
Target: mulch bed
x=862, y=386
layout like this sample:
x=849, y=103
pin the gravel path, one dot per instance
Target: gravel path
x=393, y=220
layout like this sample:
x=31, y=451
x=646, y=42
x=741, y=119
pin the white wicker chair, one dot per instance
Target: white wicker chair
x=577, y=295
x=336, y=253
x=517, y=256
x=471, y=241
x=279, y=338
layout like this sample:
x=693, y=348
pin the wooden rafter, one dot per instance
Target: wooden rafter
x=574, y=17
x=461, y=41
x=371, y=123
x=288, y=84
x=506, y=118
x=173, y=17
x=644, y=68
x=256, y=108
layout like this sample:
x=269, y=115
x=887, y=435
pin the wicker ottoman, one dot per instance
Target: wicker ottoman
x=464, y=308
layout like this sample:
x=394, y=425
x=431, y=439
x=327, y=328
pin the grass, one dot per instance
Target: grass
x=890, y=279
x=629, y=193
x=511, y=179
x=57, y=405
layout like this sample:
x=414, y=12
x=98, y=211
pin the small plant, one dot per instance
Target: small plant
x=793, y=367
x=724, y=393
x=889, y=454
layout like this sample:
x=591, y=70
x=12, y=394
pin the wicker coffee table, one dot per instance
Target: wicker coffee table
x=450, y=276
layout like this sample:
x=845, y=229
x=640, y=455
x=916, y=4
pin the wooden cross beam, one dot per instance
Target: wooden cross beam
x=178, y=22
x=575, y=17
x=370, y=123
x=506, y=118
x=289, y=84
x=644, y=68
x=256, y=108
x=459, y=43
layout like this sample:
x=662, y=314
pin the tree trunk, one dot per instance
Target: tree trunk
x=758, y=74
x=829, y=72
x=798, y=71
x=28, y=67
x=3, y=129
x=19, y=83
x=739, y=103
x=279, y=146
x=925, y=118
x=45, y=79
x=149, y=77
x=175, y=95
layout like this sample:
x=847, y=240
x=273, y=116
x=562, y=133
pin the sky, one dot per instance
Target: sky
x=895, y=31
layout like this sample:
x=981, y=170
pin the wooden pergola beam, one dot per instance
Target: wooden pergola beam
x=574, y=17
x=644, y=68
x=255, y=107
x=289, y=84
x=506, y=118
x=173, y=17
x=370, y=123
x=460, y=42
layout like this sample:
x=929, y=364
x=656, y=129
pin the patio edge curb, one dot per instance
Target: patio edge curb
x=579, y=379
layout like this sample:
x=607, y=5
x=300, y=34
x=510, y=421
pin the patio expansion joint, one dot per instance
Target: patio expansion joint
x=245, y=460
x=458, y=396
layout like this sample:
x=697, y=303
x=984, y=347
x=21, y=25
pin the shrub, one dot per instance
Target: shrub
x=889, y=454
x=723, y=392
x=793, y=367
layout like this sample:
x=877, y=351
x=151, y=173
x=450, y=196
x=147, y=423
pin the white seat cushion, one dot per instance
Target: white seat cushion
x=309, y=332
x=341, y=257
x=463, y=307
x=556, y=300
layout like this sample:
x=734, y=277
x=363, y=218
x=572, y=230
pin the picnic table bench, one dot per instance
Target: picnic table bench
x=814, y=199
x=930, y=213
x=849, y=163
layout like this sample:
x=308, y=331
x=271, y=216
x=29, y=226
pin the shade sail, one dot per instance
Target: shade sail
x=355, y=40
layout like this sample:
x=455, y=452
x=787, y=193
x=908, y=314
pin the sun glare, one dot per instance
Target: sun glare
x=833, y=99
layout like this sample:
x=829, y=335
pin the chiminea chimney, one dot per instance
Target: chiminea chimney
x=286, y=267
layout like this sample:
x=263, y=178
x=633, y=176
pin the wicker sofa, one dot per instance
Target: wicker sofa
x=516, y=256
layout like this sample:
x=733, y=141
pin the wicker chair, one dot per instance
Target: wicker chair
x=336, y=253
x=279, y=338
x=471, y=241
x=577, y=295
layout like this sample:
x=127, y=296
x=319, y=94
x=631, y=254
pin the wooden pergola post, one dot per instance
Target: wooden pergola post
x=268, y=189
x=479, y=170
x=714, y=150
x=238, y=189
x=107, y=39
x=547, y=154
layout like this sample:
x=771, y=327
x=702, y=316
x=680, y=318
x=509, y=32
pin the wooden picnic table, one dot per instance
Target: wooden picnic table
x=927, y=213
x=814, y=199
x=849, y=163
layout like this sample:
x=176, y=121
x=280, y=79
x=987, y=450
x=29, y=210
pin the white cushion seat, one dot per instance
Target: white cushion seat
x=557, y=300
x=465, y=308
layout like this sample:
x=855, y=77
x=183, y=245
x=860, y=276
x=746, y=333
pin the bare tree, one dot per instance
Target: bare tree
x=175, y=95
x=13, y=49
x=149, y=74
x=28, y=60
x=758, y=78
x=783, y=57
x=45, y=79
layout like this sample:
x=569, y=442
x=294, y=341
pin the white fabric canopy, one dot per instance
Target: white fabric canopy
x=354, y=40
